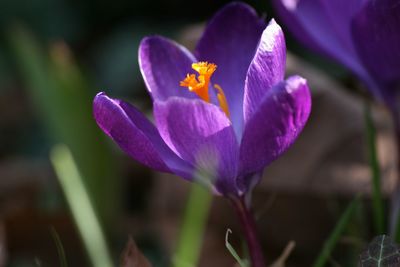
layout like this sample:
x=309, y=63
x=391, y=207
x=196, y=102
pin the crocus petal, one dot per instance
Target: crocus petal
x=275, y=125
x=341, y=13
x=376, y=31
x=200, y=133
x=136, y=135
x=266, y=69
x=164, y=64
x=230, y=40
x=286, y=11
x=319, y=24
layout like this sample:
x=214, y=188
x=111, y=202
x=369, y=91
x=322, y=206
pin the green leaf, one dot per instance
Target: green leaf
x=81, y=206
x=381, y=252
x=60, y=248
x=193, y=225
x=377, y=199
x=63, y=97
x=242, y=263
x=330, y=243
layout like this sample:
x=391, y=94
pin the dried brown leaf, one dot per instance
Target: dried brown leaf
x=133, y=257
x=280, y=262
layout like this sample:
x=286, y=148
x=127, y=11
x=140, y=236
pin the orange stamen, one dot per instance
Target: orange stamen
x=199, y=84
x=204, y=68
x=223, y=103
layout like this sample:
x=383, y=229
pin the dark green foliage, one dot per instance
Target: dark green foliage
x=64, y=98
x=60, y=247
x=377, y=199
x=336, y=233
x=381, y=252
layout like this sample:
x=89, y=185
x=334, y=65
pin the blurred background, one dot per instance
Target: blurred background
x=55, y=55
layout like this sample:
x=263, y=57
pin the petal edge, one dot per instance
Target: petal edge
x=275, y=125
x=163, y=64
x=266, y=69
x=136, y=135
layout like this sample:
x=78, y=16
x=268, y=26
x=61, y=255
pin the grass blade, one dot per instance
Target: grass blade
x=194, y=222
x=64, y=99
x=377, y=199
x=330, y=243
x=81, y=206
x=242, y=263
x=60, y=248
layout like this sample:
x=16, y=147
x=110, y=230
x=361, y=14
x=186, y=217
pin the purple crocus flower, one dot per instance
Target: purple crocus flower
x=221, y=114
x=363, y=35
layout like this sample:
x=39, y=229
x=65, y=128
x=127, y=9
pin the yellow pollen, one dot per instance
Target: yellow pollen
x=199, y=85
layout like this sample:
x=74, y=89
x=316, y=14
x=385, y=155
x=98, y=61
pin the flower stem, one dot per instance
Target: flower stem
x=249, y=228
x=395, y=200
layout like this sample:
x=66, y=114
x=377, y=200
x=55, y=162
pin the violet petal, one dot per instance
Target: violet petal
x=164, y=64
x=200, y=133
x=136, y=135
x=341, y=13
x=318, y=25
x=376, y=32
x=266, y=69
x=275, y=125
x=230, y=41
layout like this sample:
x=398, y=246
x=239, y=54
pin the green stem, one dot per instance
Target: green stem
x=194, y=222
x=377, y=199
x=395, y=199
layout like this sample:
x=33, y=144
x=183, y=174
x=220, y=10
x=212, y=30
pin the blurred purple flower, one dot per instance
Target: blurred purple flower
x=363, y=35
x=222, y=138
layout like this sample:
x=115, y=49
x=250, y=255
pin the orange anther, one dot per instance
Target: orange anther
x=199, y=84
